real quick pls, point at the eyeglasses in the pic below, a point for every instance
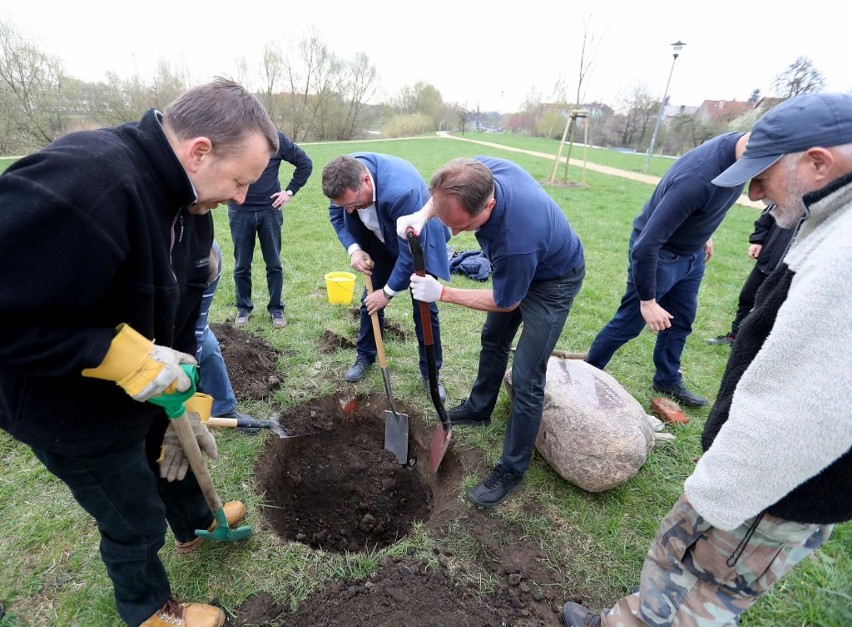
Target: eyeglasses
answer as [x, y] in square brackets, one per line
[352, 206]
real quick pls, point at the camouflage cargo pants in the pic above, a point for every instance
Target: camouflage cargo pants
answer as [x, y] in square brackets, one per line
[690, 576]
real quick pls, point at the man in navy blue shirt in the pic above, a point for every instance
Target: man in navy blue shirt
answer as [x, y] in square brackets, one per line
[538, 269]
[261, 215]
[669, 246]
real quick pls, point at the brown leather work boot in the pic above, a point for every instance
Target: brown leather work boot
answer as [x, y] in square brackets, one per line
[234, 513]
[184, 614]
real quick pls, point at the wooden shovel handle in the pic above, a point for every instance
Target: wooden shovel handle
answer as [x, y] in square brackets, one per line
[377, 331]
[193, 454]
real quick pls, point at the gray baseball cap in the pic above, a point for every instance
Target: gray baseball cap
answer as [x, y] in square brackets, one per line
[802, 122]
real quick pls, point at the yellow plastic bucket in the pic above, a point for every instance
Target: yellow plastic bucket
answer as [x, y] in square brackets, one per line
[340, 287]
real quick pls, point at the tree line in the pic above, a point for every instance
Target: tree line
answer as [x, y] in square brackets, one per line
[313, 94]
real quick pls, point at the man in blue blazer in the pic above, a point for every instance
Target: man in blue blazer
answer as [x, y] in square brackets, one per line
[368, 192]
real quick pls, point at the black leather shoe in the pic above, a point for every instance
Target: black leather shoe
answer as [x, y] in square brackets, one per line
[441, 391]
[358, 371]
[681, 394]
[460, 415]
[496, 487]
[576, 615]
[721, 339]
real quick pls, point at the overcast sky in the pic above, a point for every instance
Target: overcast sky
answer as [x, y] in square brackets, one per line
[490, 55]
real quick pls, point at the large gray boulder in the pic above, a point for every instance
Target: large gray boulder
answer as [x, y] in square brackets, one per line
[593, 432]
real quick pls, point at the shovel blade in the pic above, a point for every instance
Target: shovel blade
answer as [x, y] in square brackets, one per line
[396, 435]
[438, 447]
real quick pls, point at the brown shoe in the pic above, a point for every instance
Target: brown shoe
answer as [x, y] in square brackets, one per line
[176, 612]
[234, 513]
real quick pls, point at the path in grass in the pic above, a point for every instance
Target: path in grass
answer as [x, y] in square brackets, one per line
[603, 169]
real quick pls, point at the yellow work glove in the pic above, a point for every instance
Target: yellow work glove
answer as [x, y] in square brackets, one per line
[173, 461]
[143, 369]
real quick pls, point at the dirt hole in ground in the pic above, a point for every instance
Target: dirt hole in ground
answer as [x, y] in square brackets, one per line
[331, 342]
[335, 487]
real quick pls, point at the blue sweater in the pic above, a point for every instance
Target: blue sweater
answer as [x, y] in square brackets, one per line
[527, 238]
[684, 209]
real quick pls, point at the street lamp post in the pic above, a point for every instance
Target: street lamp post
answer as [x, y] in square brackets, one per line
[678, 46]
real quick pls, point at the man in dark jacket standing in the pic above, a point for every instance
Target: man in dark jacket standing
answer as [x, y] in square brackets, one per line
[106, 236]
[261, 215]
[669, 246]
[368, 192]
[767, 245]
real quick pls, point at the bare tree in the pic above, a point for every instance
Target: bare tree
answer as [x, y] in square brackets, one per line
[464, 115]
[31, 85]
[168, 83]
[800, 77]
[357, 89]
[635, 110]
[272, 76]
[588, 50]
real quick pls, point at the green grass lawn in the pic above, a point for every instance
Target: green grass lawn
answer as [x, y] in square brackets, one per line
[49, 547]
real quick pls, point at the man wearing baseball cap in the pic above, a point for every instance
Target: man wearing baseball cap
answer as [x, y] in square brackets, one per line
[776, 473]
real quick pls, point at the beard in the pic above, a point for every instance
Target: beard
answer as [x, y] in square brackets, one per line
[788, 211]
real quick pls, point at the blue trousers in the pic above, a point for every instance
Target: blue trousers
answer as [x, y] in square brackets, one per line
[678, 280]
[266, 226]
[366, 343]
[122, 490]
[213, 375]
[543, 312]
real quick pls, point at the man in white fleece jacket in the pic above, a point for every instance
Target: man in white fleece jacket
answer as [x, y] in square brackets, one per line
[776, 474]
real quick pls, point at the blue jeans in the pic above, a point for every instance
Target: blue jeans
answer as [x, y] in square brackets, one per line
[131, 504]
[213, 375]
[678, 280]
[266, 225]
[366, 343]
[543, 312]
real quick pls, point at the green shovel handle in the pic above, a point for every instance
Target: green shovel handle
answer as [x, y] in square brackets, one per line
[174, 403]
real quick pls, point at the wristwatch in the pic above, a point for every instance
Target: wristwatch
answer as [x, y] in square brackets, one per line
[385, 292]
[289, 193]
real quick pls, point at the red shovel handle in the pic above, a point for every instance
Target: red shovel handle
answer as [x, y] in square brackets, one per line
[426, 323]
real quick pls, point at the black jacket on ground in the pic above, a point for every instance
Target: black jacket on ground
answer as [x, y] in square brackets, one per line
[93, 233]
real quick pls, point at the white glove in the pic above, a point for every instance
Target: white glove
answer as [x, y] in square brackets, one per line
[173, 462]
[426, 288]
[414, 221]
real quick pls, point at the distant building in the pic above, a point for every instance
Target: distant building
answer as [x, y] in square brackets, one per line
[721, 112]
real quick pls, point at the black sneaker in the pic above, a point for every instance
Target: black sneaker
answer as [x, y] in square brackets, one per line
[496, 487]
[460, 415]
[682, 395]
[722, 339]
[576, 615]
[358, 371]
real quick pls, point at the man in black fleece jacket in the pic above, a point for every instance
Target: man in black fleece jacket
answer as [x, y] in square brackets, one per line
[106, 239]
